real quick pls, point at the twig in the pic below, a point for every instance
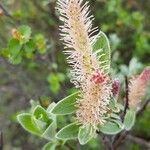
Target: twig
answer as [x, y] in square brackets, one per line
[107, 143]
[78, 145]
[36, 4]
[1, 140]
[69, 147]
[120, 139]
[126, 106]
[138, 140]
[6, 13]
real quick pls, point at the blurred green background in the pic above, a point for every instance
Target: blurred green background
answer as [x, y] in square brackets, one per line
[38, 70]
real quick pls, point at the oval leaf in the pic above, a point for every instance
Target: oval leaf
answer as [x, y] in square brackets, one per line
[28, 124]
[66, 106]
[85, 134]
[129, 119]
[110, 128]
[102, 50]
[50, 146]
[50, 132]
[68, 132]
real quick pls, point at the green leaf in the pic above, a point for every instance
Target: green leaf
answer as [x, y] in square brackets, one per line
[129, 119]
[14, 51]
[29, 48]
[41, 114]
[68, 132]
[66, 106]
[102, 49]
[14, 47]
[86, 133]
[50, 132]
[114, 106]
[28, 124]
[110, 128]
[118, 122]
[15, 59]
[50, 146]
[40, 42]
[51, 107]
[115, 116]
[33, 104]
[25, 32]
[54, 82]
[40, 124]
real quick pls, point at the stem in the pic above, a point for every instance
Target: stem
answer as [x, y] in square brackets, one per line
[138, 140]
[107, 143]
[69, 147]
[78, 145]
[8, 14]
[1, 140]
[120, 139]
[126, 97]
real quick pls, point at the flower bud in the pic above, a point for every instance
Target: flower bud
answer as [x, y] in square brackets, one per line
[115, 87]
[98, 77]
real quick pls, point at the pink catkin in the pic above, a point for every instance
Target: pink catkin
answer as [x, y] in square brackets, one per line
[77, 36]
[137, 88]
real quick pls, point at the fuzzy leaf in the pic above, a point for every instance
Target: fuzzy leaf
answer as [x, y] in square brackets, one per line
[66, 106]
[41, 114]
[50, 146]
[28, 124]
[68, 132]
[50, 132]
[50, 107]
[118, 122]
[129, 119]
[110, 128]
[40, 124]
[85, 134]
[115, 116]
[102, 49]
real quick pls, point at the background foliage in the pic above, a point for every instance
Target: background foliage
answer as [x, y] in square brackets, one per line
[35, 67]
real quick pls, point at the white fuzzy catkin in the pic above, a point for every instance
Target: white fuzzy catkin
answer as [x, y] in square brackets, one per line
[78, 37]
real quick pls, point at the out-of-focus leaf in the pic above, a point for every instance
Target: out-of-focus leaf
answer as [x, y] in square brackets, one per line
[29, 48]
[25, 32]
[54, 82]
[40, 42]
